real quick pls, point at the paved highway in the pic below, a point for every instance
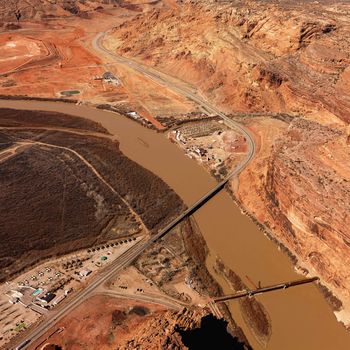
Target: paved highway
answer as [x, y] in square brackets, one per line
[182, 89]
[126, 259]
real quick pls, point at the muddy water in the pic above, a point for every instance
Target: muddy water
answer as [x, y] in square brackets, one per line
[301, 318]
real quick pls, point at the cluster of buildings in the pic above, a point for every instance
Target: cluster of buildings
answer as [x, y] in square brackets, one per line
[28, 296]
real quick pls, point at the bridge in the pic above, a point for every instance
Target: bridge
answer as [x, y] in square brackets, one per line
[250, 293]
[192, 209]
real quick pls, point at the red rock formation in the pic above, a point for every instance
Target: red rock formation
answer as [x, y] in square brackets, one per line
[173, 331]
[261, 56]
[308, 195]
[250, 55]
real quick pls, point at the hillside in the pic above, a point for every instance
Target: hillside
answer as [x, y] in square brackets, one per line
[282, 69]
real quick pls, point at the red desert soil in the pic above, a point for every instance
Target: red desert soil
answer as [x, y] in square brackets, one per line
[101, 322]
[242, 56]
[51, 54]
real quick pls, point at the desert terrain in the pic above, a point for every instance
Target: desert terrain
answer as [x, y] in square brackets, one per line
[279, 69]
[98, 199]
[282, 70]
[126, 324]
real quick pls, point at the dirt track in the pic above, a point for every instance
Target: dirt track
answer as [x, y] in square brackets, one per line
[69, 165]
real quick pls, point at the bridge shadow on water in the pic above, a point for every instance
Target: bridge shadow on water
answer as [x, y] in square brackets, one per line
[212, 334]
[207, 198]
[196, 206]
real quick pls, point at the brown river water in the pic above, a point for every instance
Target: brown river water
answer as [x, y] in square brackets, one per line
[300, 317]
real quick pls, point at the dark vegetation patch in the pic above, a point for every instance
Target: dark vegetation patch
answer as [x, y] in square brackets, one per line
[253, 311]
[30, 98]
[147, 194]
[52, 202]
[197, 251]
[118, 318]
[335, 303]
[14, 117]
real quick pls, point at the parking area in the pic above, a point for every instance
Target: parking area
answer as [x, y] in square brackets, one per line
[24, 299]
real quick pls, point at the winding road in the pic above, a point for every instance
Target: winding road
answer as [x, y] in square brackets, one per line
[174, 85]
[53, 316]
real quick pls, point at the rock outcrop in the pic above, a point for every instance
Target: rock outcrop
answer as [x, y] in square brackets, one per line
[18, 10]
[308, 197]
[186, 329]
[271, 57]
[250, 55]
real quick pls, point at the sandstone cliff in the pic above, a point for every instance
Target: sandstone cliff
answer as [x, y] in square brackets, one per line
[249, 55]
[308, 197]
[189, 328]
[279, 57]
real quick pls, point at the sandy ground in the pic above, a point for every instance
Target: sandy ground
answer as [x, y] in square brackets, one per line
[90, 326]
[53, 57]
[212, 144]
[131, 283]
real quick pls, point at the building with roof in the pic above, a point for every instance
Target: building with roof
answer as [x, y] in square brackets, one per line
[47, 298]
[85, 272]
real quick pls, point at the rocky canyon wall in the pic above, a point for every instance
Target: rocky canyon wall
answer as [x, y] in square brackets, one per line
[262, 56]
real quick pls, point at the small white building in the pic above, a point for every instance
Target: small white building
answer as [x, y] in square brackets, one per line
[85, 272]
[13, 300]
[59, 299]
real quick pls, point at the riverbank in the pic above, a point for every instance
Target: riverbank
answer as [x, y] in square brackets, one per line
[75, 165]
[333, 301]
[253, 311]
[185, 141]
[228, 234]
[195, 247]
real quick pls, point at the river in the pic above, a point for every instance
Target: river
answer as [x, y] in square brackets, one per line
[301, 318]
